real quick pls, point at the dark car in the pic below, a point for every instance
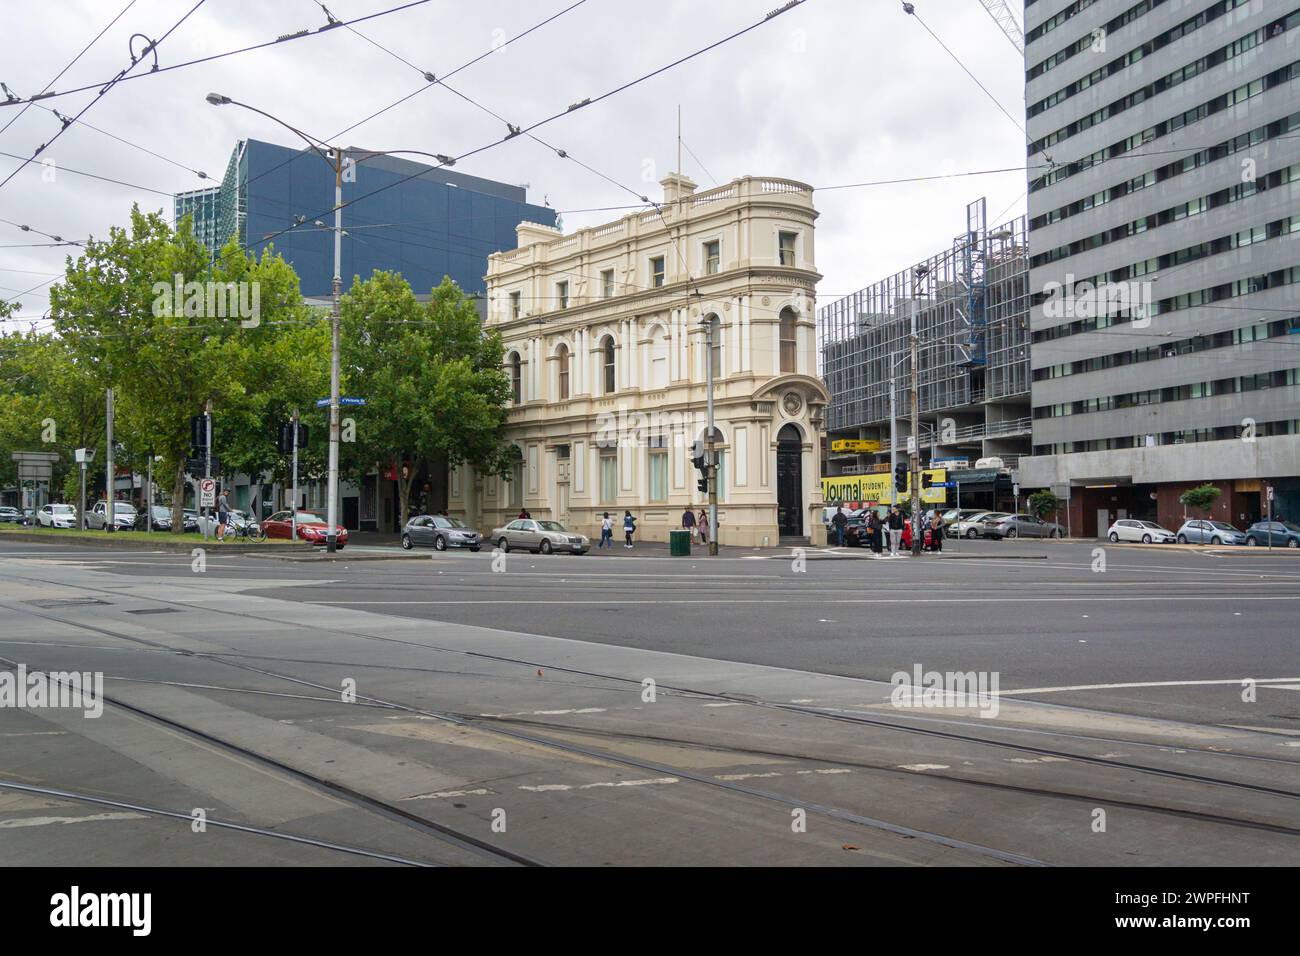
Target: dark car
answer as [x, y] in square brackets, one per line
[162, 519]
[856, 534]
[1279, 534]
[440, 532]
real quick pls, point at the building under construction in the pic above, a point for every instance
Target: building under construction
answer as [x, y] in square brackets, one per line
[971, 308]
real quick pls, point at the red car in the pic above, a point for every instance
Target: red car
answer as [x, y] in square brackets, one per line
[311, 528]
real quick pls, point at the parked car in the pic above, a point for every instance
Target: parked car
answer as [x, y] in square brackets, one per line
[1280, 534]
[123, 516]
[952, 515]
[855, 532]
[1020, 526]
[193, 521]
[1197, 531]
[972, 526]
[11, 515]
[439, 532]
[311, 528]
[57, 516]
[544, 536]
[1133, 529]
[162, 519]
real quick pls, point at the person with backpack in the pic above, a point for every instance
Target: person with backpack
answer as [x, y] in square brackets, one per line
[688, 522]
[629, 528]
[606, 531]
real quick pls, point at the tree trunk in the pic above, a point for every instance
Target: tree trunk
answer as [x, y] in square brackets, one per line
[178, 499]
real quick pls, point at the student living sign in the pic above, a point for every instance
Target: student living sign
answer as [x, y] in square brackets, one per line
[879, 487]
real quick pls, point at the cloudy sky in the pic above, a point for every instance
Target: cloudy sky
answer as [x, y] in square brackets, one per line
[832, 92]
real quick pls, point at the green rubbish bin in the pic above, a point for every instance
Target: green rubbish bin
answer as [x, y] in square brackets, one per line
[679, 544]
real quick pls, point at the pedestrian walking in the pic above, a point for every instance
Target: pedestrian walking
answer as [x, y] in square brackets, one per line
[895, 523]
[688, 522]
[936, 532]
[606, 531]
[703, 525]
[839, 521]
[873, 531]
[629, 528]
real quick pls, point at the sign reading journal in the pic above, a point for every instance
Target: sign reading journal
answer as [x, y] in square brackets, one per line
[879, 487]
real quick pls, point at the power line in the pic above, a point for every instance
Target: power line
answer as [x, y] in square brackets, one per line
[515, 131]
[286, 38]
[150, 47]
[47, 86]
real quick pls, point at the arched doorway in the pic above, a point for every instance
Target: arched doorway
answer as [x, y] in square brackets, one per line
[789, 482]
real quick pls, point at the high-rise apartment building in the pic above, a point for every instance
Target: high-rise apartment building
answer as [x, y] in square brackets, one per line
[1164, 230]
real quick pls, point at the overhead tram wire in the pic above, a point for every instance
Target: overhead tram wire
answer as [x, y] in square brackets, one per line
[287, 38]
[70, 65]
[150, 47]
[515, 131]
[436, 81]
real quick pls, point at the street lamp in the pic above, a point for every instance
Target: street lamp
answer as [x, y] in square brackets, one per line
[334, 157]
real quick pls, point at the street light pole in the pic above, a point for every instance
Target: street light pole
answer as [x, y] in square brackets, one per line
[332, 487]
[108, 467]
[914, 468]
[710, 455]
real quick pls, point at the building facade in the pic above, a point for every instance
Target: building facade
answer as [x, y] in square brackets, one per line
[605, 335]
[422, 221]
[971, 303]
[1164, 214]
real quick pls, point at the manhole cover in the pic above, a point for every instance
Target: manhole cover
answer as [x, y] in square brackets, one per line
[154, 610]
[65, 602]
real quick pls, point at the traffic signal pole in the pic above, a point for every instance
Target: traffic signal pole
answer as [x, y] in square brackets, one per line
[914, 460]
[710, 459]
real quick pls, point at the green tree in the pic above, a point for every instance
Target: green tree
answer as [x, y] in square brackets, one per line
[167, 356]
[1042, 503]
[1200, 498]
[432, 379]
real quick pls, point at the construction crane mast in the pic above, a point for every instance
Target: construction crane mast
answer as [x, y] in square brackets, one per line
[1005, 19]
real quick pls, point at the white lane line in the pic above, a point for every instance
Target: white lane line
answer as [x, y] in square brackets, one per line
[1003, 599]
[1154, 683]
[20, 822]
[549, 713]
[922, 766]
[443, 794]
[549, 787]
[38, 733]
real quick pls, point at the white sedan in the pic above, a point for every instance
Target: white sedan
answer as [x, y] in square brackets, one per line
[1147, 532]
[56, 516]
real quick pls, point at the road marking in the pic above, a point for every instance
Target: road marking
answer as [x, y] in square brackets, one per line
[1153, 598]
[549, 713]
[922, 766]
[442, 794]
[1155, 683]
[52, 821]
[549, 787]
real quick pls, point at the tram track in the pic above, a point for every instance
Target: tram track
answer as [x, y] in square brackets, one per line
[478, 722]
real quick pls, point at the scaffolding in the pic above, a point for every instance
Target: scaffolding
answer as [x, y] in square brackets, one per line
[973, 327]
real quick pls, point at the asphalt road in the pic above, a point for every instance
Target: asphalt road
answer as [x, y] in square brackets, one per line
[635, 708]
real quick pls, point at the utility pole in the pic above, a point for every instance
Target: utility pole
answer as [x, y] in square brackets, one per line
[148, 493]
[914, 469]
[893, 437]
[332, 487]
[207, 458]
[293, 531]
[710, 455]
[108, 468]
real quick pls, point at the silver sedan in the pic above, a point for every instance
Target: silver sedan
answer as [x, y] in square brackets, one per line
[528, 534]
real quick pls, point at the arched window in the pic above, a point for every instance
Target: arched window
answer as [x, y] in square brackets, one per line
[607, 362]
[516, 379]
[715, 350]
[789, 342]
[562, 356]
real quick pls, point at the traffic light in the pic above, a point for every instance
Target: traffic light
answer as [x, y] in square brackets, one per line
[703, 485]
[926, 479]
[285, 441]
[900, 477]
[697, 457]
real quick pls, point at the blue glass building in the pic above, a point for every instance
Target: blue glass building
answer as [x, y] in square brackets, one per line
[422, 221]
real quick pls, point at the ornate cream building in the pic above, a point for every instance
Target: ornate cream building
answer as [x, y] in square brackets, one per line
[605, 348]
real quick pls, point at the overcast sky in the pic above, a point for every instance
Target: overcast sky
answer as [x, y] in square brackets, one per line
[832, 92]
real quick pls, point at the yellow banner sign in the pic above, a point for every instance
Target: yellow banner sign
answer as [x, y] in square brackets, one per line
[880, 488]
[855, 444]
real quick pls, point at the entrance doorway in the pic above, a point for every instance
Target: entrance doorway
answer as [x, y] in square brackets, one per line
[789, 482]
